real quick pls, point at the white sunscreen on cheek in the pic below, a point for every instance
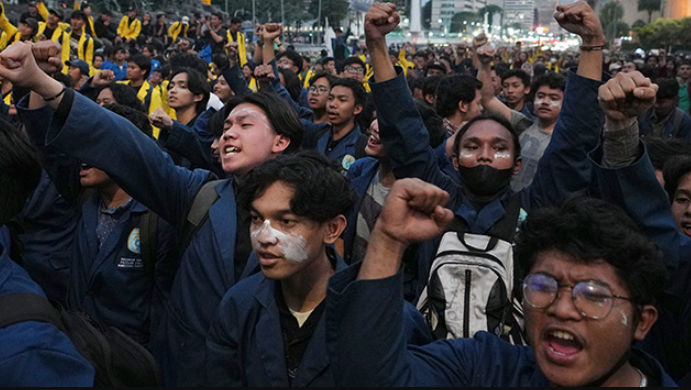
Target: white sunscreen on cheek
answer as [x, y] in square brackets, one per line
[624, 317]
[292, 246]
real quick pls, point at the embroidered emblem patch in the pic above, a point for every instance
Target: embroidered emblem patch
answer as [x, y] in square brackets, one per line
[133, 243]
[348, 160]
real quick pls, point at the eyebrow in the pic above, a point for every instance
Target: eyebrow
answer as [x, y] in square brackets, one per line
[478, 140]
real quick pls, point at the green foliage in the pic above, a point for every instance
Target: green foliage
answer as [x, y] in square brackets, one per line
[335, 10]
[665, 32]
[611, 16]
[649, 6]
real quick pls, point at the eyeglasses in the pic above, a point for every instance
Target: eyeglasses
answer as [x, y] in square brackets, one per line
[354, 69]
[318, 90]
[592, 298]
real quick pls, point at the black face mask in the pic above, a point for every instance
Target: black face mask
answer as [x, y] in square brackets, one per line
[483, 180]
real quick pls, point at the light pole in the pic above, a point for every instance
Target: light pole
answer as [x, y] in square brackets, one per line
[283, 16]
[319, 22]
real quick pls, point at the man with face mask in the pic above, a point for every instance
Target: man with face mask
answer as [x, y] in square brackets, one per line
[486, 150]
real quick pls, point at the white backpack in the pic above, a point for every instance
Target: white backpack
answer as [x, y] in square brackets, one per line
[471, 284]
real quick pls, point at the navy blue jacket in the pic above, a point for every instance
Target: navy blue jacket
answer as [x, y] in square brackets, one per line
[563, 169]
[366, 342]
[108, 283]
[636, 190]
[193, 143]
[245, 345]
[683, 132]
[49, 222]
[318, 135]
[35, 353]
[207, 267]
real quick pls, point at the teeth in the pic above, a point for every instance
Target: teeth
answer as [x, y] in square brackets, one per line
[231, 150]
[562, 335]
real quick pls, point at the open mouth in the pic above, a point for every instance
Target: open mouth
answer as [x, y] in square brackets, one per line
[374, 141]
[230, 151]
[562, 347]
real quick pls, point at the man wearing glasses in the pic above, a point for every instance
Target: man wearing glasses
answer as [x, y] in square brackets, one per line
[593, 280]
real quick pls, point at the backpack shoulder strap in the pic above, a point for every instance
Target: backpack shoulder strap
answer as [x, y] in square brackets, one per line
[148, 234]
[360, 147]
[506, 227]
[678, 116]
[20, 307]
[198, 213]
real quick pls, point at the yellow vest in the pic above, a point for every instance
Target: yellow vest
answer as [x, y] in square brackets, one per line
[85, 49]
[242, 48]
[153, 95]
[129, 30]
[176, 29]
[56, 34]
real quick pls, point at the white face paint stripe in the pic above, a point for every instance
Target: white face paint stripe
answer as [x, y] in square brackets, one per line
[502, 155]
[292, 246]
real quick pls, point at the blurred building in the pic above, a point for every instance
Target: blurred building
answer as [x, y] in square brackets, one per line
[444, 10]
[520, 12]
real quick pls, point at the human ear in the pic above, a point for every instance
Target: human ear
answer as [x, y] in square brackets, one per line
[517, 166]
[281, 144]
[648, 318]
[334, 228]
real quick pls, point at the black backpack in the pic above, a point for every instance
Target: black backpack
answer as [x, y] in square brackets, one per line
[118, 360]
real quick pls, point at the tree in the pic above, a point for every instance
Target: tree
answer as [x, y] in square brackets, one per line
[335, 10]
[665, 32]
[649, 6]
[490, 10]
[457, 25]
[427, 15]
[610, 16]
[638, 24]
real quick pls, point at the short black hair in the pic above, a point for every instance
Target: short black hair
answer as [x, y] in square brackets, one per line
[220, 60]
[660, 150]
[187, 60]
[79, 14]
[136, 117]
[589, 231]
[322, 75]
[197, 84]
[430, 85]
[283, 118]
[354, 60]
[143, 62]
[20, 170]
[292, 56]
[235, 20]
[217, 14]
[359, 92]
[321, 191]
[521, 74]
[292, 83]
[123, 95]
[491, 116]
[551, 80]
[454, 89]
[433, 122]
[675, 168]
[668, 88]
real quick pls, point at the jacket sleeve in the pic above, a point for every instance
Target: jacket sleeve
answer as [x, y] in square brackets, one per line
[38, 354]
[636, 190]
[304, 112]
[122, 27]
[236, 81]
[111, 143]
[405, 137]
[63, 170]
[564, 167]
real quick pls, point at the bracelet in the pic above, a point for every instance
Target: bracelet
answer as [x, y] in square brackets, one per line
[64, 89]
[592, 48]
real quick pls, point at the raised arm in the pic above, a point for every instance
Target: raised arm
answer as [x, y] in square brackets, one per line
[564, 167]
[483, 55]
[100, 138]
[402, 130]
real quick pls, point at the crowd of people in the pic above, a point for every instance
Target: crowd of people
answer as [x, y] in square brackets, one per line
[465, 215]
